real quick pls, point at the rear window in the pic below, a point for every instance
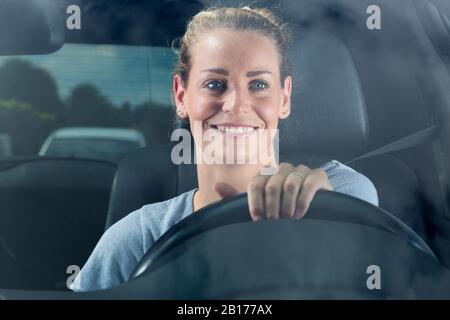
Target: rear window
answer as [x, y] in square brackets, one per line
[104, 86]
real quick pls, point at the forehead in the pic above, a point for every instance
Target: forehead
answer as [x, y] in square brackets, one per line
[232, 49]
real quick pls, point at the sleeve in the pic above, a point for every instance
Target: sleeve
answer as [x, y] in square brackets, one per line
[114, 258]
[346, 180]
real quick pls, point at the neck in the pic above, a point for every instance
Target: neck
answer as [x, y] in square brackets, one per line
[237, 176]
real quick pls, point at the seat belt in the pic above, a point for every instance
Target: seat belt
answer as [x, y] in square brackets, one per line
[413, 140]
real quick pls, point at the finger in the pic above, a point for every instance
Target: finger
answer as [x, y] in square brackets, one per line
[225, 190]
[255, 193]
[291, 189]
[315, 181]
[273, 191]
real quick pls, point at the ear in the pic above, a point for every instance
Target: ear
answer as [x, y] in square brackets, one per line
[179, 93]
[285, 109]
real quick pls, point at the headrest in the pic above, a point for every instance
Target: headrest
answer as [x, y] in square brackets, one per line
[328, 113]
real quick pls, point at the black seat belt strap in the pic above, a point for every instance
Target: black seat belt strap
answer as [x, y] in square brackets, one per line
[415, 139]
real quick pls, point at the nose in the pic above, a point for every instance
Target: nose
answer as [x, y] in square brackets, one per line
[236, 101]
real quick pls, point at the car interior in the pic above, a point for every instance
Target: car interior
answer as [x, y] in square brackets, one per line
[355, 91]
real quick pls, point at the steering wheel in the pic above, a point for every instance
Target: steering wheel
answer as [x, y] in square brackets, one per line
[326, 205]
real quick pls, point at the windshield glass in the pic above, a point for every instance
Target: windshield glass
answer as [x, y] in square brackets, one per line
[254, 114]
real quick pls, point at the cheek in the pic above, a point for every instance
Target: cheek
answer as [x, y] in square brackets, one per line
[268, 111]
[201, 108]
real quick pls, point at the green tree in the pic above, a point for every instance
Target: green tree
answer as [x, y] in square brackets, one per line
[21, 81]
[30, 107]
[86, 106]
[155, 121]
[27, 127]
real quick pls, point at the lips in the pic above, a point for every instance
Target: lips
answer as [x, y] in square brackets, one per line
[234, 128]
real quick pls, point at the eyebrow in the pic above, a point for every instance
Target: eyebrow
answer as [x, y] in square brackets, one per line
[257, 73]
[217, 70]
[226, 73]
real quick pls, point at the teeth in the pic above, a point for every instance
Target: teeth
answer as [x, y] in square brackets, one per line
[235, 129]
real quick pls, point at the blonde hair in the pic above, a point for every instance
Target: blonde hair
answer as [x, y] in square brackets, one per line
[259, 20]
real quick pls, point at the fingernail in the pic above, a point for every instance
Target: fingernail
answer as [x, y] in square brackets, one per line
[256, 214]
[298, 214]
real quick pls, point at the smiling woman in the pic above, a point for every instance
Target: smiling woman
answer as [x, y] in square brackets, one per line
[233, 79]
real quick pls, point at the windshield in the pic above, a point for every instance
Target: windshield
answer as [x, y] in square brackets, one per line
[148, 111]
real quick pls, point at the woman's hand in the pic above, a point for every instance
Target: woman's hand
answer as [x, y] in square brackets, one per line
[287, 194]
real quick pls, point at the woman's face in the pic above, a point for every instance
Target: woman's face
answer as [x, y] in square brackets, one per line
[234, 85]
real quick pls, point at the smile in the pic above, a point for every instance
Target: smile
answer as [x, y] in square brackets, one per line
[234, 129]
[226, 129]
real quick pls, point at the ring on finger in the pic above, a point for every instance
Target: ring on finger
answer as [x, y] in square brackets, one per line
[298, 174]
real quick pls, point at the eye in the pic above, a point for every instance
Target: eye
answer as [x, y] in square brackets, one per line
[216, 85]
[258, 85]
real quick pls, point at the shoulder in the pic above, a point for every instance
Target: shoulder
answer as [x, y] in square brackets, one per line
[114, 257]
[346, 180]
[157, 218]
[122, 246]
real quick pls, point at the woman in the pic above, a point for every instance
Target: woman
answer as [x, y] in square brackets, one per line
[232, 79]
